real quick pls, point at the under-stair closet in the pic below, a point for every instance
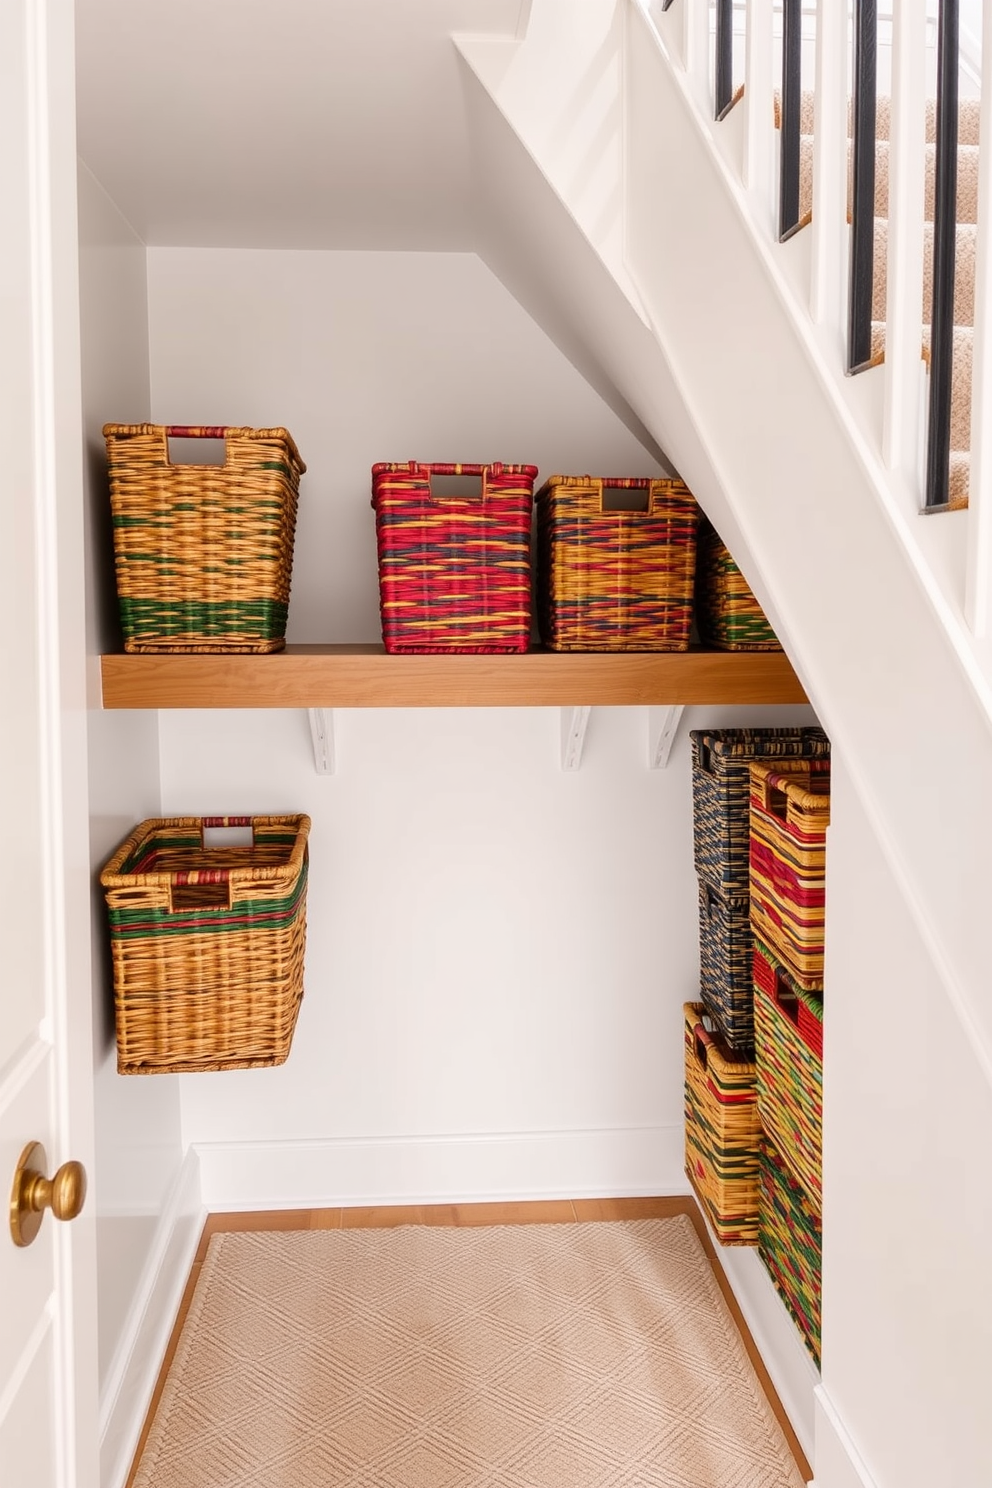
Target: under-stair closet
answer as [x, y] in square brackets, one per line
[517, 231]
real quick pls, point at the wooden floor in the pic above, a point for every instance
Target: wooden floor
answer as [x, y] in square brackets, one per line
[557, 1211]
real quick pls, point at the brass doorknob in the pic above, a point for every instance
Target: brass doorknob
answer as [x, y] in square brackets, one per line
[33, 1193]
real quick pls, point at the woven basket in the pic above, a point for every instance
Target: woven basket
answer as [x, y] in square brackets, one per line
[721, 1131]
[207, 943]
[790, 813]
[728, 617]
[615, 580]
[454, 571]
[789, 1073]
[725, 966]
[204, 553]
[721, 789]
[790, 1244]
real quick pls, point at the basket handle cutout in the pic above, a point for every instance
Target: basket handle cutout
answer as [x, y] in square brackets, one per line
[631, 496]
[227, 831]
[701, 1043]
[786, 999]
[212, 891]
[711, 900]
[186, 445]
[466, 486]
[777, 802]
[706, 759]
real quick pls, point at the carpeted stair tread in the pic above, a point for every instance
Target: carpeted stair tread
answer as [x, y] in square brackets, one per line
[964, 337]
[964, 271]
[968, 118]
[967, 182]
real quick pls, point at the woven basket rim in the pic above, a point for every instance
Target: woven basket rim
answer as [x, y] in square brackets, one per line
[206, 431]
[112, 878]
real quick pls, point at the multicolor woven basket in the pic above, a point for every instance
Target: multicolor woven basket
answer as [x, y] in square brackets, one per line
[721, 1131]
[790, 814]
[454, 571]
[207, 943]
[725, 966]
[728, 617]
[615, 580]
[721, 789]
[204, 553]
[789, 1071]
[790, 1244]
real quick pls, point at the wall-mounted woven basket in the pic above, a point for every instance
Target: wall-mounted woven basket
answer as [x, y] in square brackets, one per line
[790, 1243]
[728, 617]
[454, 570]
[207, 942]
[789, 1071]
[615, 580]
[725, 966]
[203, 553]
[721, 791]
[790, 814]
[721, 1131]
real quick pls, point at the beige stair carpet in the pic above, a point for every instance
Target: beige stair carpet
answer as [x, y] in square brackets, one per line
[964, 260]
[588, 1355]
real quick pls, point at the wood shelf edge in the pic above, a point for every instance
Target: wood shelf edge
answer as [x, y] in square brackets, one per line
[365, 677]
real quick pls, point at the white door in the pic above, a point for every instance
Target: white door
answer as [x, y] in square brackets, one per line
[48, 1385]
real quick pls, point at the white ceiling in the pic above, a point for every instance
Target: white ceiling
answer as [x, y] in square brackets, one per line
[274, 123]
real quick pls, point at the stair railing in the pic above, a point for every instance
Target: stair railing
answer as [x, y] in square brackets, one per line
[916, 407]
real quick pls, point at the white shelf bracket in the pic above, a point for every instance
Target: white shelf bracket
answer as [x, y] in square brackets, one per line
[663, 725]
[322, 735]
[574, 722]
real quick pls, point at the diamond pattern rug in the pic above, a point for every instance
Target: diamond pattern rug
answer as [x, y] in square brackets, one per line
[587, 1355]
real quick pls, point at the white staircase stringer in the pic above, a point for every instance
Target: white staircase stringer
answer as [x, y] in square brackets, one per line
[866, 625]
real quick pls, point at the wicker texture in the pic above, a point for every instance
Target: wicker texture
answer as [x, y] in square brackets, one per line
[721, 1131]
[789, 1074]
[615, 580]
[454, 572]
[207, 943]
[725, 966]
[790, 1244]
[203, 553]
[721, 789]
[728, 617]
[790, 813]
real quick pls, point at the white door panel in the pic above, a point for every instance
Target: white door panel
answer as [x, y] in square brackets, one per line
[47, 1333]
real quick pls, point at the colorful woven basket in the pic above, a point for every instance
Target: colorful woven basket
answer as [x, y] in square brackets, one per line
[728, 617]
[725, 966]
[454, 571]
[204, 553]
[790, 813]
[721, 789]
[790, 1244]
[721, 1131]
[207, 943]
[615, 580]
[789, 1071]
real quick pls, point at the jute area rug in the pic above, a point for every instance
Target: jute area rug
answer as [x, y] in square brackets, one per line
[588, 1355]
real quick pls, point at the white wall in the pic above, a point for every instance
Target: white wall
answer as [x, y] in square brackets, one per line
[137, 1121]
[907, 1317]
[498, 952]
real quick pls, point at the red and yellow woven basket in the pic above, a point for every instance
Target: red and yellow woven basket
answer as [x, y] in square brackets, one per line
[789, 1071]
[721, 1131]
[454, 571]
[615, 580]
[789, 816]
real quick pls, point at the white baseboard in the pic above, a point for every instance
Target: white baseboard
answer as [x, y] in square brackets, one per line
[442, 1169]
[134, 1370]
[777, 1339]
[838, 1461]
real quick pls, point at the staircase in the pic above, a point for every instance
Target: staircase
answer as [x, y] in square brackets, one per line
[641, 234]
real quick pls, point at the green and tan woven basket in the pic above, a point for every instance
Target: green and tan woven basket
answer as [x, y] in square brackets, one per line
[613, 579]
[789, 1067]
[728, 617]
[721, 1131]
[790, 1243]
[207, 942]
[203, 553]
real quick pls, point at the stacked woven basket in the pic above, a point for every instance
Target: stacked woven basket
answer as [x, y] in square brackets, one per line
[754, 1043]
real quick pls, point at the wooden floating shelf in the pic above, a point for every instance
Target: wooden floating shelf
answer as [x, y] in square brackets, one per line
[365, 677]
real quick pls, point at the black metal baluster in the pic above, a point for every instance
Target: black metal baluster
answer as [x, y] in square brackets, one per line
[789, 140]
[863, 184]
[944, 244]
[724, 69]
